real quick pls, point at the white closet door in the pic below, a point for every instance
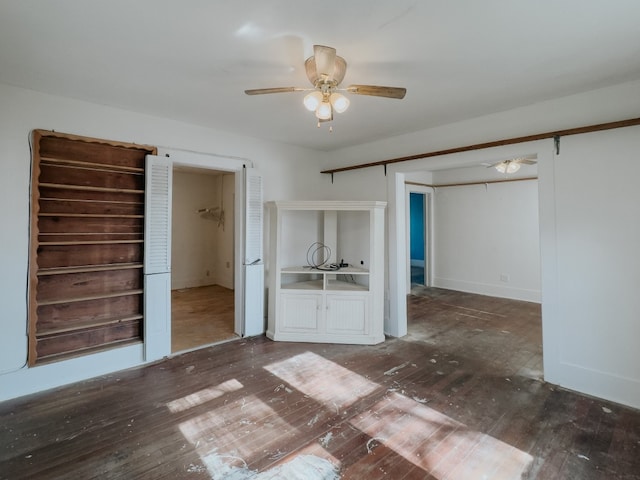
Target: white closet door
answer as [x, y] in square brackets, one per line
[157, 215]
[157, 258]
[253, 258]
[253, 217]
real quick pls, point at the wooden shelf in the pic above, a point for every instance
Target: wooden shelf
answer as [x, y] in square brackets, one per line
[89, 237]
[92, 242]
[92, 165]
[58, 331]
[43, 360]
[88, 268]
[84, 200]
[88, 215]
[63, 186]
[61, 301]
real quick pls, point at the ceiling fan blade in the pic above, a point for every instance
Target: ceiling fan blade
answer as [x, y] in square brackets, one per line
[377, 91]
[526, 161]
[262, 91]
[325, 59]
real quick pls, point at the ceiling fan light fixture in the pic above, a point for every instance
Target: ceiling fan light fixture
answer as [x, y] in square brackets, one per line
[312, 101]
[324, 111]
[325, 71]
[508, 167]
[339, 102]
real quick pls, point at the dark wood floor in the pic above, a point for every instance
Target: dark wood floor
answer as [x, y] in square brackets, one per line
[460, 397]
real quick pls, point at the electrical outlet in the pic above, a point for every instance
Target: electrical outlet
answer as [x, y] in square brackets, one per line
[504, 278]
[208, 273]
[228, 264]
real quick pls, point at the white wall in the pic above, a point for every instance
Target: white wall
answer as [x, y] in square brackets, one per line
[486, 239]
[590, 297]
[289, 173]
[193, 238]
[202, 249]
[224, 248]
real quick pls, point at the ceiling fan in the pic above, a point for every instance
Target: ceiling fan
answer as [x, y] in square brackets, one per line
[512, 165]
[325, 70]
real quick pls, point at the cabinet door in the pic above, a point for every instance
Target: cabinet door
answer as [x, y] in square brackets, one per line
[300, 313]
[347, 314]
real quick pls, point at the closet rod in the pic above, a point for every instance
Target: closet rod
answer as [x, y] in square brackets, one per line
[441, 185]
[497, 143]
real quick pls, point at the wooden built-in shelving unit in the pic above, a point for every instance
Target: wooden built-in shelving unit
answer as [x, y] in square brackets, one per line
[87, 245]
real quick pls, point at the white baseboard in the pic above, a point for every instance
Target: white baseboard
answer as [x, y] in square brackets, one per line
[179, 283]
[615, 388]
[52, 375]
[494, 290]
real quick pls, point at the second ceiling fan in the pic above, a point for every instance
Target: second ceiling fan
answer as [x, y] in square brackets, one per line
[512, 165]
[325, 70]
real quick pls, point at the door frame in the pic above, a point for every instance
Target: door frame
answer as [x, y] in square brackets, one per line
[428, 231]
[235, 165]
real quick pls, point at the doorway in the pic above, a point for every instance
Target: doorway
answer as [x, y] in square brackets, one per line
[248, 269]
[417, 236]
[202, 258]
[418, 248]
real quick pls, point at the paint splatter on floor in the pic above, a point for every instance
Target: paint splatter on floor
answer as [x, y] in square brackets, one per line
[302, 467]
[324, 441]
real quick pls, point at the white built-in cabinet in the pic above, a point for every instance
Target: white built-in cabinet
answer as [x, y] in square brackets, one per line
[325, 304]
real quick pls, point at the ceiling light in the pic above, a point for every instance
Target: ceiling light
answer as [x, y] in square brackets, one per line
[508, 166]
[326, 70]
[324, 111]
[312, 101]
[340, 102]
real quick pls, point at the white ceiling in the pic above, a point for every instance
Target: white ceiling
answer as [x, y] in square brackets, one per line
[191, 60]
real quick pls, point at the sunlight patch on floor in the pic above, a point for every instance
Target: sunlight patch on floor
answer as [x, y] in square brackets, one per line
[238, 427]
[425, 437]
[203, 396]
[230, 436]
[326, 382]
[437, 443]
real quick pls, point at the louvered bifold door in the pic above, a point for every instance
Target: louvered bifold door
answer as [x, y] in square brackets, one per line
[253, 258]
[157, 258]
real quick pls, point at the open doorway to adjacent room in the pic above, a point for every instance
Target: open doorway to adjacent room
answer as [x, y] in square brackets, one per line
[417, 238]
[202, 253]
[418, 235]
[481, 229]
